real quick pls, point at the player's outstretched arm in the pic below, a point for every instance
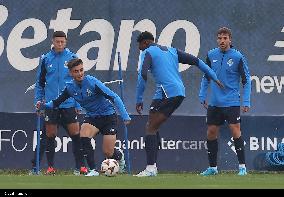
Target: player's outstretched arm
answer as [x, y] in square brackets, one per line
[60, 99]
[186, 58]
[102, 89]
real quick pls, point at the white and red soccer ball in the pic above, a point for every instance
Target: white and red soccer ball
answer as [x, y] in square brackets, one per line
[110, 167]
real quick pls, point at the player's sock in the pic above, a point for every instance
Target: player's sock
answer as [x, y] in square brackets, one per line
[242, 165]
[76, 148]
[159, 143]
[151, 144]
[50, 150]
[117, 155]
[88, 151]
[240, 149]
[212, 151]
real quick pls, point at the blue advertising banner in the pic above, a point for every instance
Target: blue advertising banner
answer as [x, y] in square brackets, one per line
[98, 29]
[183, 143]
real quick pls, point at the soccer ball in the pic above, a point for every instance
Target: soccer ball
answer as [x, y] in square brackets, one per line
[110, 167]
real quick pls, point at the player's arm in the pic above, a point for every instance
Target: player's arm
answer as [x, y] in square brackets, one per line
[205, 81]
[60, 99]
[40, 82]
[102, 89]
[186, 58]
[146, 62]
[246, 81]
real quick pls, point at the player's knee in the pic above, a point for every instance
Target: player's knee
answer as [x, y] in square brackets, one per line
[236, 134]
[150, 129]
[84, 133]
[211, 135]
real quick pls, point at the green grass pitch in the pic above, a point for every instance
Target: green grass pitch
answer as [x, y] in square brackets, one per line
[164, 180]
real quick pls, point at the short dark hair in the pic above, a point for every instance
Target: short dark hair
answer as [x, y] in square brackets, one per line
[59, 34]
[224, 30]
[74, 62]
[145, 36]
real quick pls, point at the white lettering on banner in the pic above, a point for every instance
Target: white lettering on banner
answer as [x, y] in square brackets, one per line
[277, 58]
[165, 144]
[35, 139]
[105, 44]
[264, 143]
[58, 144]
[124, 39]
[3, 18]
[17, 149]
[3, 139]
[16, 43]
[65, 141]
[61, 144]
[63, 22]
[10, 137]
[268, 84]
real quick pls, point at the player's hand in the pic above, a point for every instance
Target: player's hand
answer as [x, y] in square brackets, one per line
[139, 108]
[127, 122]
[219, 83]
[205, 104]
[245, 109]
[38, 107]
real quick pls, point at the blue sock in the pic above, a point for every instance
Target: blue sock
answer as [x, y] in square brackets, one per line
[50, 150]
[88, 151]
[240, 149]
[76, 149]
[212, 146]
[151, 144]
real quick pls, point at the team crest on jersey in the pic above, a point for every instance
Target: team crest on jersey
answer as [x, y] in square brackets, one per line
[230, 62]
[89, 92]
[65, 64]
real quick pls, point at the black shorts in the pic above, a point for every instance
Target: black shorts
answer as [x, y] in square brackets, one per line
[218, 115]
[166, 106]
[62, 116]
[106, 124]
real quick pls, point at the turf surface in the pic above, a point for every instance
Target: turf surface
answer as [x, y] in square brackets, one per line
[65, 180]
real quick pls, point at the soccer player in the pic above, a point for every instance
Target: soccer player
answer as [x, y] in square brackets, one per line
[51, 78]
[163, 62]
[98, 101]
[224, 105]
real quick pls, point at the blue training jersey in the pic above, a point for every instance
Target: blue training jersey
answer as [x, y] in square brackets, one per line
[52, 74]
[94, 97]
[163, 63]
[231, 69]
